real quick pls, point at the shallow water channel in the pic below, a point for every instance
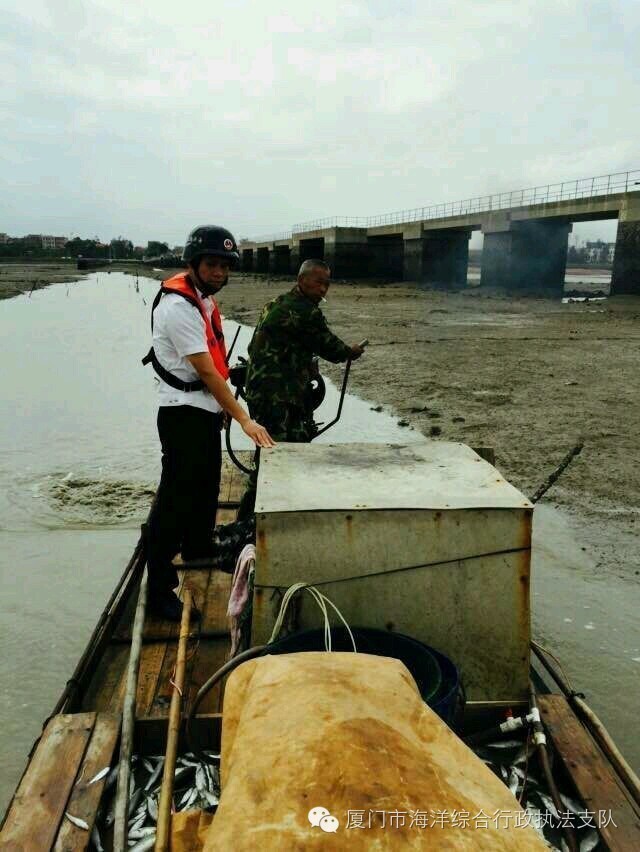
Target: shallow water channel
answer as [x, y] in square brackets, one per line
[79, 460]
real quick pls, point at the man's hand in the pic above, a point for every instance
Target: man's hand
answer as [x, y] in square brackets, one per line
[356, 351]
[257, 433]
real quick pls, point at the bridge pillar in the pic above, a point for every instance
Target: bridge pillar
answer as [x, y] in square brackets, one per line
[437, 257]
[413, 259]
[246, 260]
[294, 258]
[262, 259]
[528, 255]
[385, 257]
[445, 257]
[625, 277]
[345, 250]
[310, 247]
[279, 260]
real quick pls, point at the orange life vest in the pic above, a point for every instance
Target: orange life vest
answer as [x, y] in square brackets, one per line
[182, 285]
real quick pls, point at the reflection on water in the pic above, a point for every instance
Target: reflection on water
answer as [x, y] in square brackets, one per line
[79, 459]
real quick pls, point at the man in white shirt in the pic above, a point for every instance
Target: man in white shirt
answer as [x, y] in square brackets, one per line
[189, 356]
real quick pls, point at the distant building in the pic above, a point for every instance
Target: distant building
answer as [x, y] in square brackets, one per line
[599, 252]
[4, 239]
[49, 242]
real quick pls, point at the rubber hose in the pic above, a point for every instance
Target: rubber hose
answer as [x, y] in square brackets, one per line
[229, 666]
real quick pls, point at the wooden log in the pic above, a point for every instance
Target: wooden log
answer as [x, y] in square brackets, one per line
[593, 776]
[166, 791]
[38, 807]
[85, 796]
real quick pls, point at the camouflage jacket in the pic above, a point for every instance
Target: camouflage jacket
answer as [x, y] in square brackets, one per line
[290, 331]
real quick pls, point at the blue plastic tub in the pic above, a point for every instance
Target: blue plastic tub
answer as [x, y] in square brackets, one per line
[436, 676]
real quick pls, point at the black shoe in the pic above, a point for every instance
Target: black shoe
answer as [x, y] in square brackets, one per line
[166, 606]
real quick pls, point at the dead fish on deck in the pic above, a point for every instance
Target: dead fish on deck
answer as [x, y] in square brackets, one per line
[189, 798]
[572, 805]
[513, 783]
[99, 775]
[135, 798]
[144, 845]
[504, 744]
[140, 833]
[211, 798]
[79, 823]
[95, 839]
[590, 841]
[201, 779]
[152, 808]
[521, 756]
[112, 778]
[155, 774]
[136, 826]
[547, 801]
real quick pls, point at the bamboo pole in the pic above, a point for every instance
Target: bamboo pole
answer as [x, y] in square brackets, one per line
[593, 723]
[166, 791]
[566, 461]
[120, 828]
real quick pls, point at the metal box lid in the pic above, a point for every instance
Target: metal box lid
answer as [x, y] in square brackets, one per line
[423, 475]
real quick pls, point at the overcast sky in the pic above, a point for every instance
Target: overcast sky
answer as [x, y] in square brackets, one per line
[121, 119]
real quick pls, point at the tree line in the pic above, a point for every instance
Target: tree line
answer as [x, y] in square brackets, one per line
[119, 248]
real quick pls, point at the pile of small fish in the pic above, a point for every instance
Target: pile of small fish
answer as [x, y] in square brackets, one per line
[196, 785]
[508, 760]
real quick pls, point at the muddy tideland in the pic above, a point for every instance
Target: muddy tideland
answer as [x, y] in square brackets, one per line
[529, 376]
[24, 278]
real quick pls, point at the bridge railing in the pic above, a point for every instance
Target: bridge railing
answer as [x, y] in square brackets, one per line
[566, 191]
[271, 238]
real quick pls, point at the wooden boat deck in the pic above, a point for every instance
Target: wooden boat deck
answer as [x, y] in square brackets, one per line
[74, 747]
[209, 647]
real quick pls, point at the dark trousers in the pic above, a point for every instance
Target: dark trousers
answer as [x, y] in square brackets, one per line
[184, 514]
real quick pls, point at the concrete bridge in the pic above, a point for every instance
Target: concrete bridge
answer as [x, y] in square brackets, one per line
[525, 238]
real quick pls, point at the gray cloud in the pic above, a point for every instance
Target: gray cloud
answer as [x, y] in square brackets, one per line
[145, 121]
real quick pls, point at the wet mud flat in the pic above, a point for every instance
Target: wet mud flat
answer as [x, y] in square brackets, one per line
[22, 278]
[529, 376]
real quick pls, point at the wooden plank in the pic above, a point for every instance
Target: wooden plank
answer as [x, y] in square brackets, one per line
[592, 774]
[40, 801]
[85, 797]
[151, 734]
[151, 662]
[106, 679]
[211, 654]
[163, 688]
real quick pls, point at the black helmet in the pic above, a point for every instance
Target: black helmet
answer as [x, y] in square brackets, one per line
[210, 239]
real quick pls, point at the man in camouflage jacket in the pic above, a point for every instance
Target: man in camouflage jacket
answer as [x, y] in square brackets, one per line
[290, 331]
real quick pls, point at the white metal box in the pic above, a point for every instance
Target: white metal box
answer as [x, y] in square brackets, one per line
[426, 539]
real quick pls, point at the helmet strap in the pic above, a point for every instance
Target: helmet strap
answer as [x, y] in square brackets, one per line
[202, 286]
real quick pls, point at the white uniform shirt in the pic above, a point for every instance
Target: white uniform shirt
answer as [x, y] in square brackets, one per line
[178, 331]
